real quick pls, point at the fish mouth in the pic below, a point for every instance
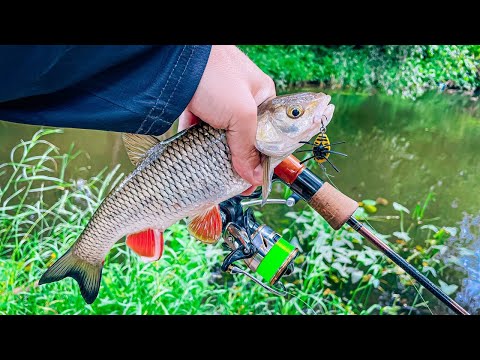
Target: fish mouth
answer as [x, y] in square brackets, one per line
[323, 113]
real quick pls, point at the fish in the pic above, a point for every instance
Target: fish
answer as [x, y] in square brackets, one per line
[183, 177]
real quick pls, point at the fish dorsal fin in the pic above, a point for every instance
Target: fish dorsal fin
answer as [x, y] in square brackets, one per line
[138, 145]
[207, 225]
[147, 243]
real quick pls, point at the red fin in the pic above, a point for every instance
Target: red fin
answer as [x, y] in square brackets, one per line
[148, 244]
[207, 226]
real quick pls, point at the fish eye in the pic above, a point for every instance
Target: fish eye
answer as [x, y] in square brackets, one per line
[295, 111]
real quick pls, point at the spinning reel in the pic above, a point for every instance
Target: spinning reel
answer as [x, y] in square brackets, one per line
[263, 250]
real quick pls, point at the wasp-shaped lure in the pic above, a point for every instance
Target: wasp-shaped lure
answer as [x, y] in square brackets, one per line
[322, 148]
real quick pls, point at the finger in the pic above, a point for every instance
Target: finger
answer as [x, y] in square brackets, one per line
[241, 136]
[266, 91]
[249, 191]
[187, 119]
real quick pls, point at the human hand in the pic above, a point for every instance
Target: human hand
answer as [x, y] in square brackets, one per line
[227, 97]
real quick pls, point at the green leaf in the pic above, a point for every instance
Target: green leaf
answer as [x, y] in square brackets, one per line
[431, 270]
[402, 235]
[429, 227]
[400, 207]
[371, 209]
[356, 276]
[451, 230]
[257, 213]
[447, 289]
[360, 214]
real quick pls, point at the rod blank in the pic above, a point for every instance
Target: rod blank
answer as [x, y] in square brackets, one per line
[409, 269]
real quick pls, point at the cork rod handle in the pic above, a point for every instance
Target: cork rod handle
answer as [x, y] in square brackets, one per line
[333, 205]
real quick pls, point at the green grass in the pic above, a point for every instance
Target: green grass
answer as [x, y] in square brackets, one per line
[42, 212]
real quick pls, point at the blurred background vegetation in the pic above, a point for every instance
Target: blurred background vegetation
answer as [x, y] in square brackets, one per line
[411, 122]
[408, 71]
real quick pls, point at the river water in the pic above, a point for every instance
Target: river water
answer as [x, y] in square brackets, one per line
[397, 149]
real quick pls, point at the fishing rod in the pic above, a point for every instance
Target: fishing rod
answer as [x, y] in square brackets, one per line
[337, 209]
[266, 253]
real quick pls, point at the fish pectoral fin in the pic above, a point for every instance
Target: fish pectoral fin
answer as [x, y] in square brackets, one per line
[206, 226]
[148, 244]
[267, 177]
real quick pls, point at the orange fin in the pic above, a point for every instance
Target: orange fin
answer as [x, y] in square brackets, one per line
[148, 244]
[206, 226]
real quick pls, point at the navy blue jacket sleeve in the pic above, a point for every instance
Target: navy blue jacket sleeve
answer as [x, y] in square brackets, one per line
[137, 89]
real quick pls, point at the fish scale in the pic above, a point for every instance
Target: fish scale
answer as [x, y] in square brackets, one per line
[136, 204]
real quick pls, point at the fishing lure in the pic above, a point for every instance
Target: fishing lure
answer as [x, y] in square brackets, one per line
[321, 150]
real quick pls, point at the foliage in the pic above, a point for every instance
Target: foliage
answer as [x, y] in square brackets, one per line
[42, 212]
[406, 70]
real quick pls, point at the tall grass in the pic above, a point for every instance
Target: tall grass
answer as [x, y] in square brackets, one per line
[43, 211]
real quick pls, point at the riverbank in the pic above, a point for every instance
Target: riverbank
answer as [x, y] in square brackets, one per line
[408, 71]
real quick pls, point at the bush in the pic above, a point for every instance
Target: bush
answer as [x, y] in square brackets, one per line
[408, 71]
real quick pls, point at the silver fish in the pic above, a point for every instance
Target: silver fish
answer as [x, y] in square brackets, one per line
[186, 176]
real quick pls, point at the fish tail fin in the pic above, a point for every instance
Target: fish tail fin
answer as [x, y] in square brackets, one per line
[87, 275]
